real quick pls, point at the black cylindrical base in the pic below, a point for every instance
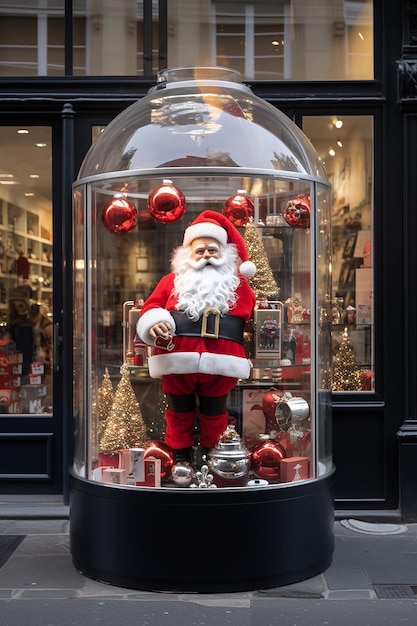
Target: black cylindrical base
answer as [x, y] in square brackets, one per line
[217, 540]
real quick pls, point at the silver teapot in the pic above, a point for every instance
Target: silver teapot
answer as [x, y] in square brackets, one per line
[229, 460]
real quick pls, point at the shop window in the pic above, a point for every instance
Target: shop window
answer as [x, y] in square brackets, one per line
[345, 145]
[268, 40]
[26, 328]
[284, 40]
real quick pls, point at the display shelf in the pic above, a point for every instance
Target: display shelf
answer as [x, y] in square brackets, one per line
[24, 232]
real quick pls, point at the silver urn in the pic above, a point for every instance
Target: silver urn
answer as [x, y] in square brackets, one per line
[229, 460]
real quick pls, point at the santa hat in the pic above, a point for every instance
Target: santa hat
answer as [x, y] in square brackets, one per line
[218, 227]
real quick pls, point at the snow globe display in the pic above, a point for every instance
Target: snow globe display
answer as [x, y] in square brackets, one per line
[202, 350]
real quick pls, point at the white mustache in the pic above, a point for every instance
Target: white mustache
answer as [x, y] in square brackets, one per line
[197, 265]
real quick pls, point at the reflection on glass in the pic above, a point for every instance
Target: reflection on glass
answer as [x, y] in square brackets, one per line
[345, 145]
[25, 270]
[268, 40]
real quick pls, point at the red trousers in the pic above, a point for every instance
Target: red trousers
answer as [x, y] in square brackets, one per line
[184, 393]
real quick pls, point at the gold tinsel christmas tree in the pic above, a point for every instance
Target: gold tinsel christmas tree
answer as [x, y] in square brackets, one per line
[125, 427]
[104, 402]
[263, 283]
[346, 373]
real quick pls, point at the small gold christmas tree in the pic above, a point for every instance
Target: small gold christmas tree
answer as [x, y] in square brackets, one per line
[263, 283]
[125, 427]
[346, 373]
[104, 402]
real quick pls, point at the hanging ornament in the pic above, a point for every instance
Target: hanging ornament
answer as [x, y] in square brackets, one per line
[266, 458]
[297, 212]
[239, 209]
[269, 404]
[162, 451]
[166, 203]
[119, 215]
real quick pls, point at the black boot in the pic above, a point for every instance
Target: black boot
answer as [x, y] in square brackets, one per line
[183, 455]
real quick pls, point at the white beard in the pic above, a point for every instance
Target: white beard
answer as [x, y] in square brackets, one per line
[212, 285]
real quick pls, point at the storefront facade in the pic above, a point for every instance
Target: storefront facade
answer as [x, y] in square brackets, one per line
[345, 73]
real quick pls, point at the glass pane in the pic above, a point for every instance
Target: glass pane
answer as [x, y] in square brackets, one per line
[345, 144]
[276, 39]
[120, 278]
[269, 40]
[278, 339]
[78, 321]
[26, 270]
[32, 38]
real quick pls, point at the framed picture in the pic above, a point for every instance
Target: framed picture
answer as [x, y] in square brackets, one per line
[268, 331]
[142, 264]
[349, 246]
[347, 273]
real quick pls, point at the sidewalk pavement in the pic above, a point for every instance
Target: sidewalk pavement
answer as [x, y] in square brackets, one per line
[371, 581]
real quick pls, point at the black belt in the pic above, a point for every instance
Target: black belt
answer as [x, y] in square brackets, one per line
[211, 325]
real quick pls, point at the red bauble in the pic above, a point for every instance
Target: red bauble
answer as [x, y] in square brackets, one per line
[161, 450]
[166, 203]
[269, 405]
[266, 459]
[239, 209]
[119, 215]
[297, 212]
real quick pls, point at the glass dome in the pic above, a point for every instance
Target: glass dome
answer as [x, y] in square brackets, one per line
[258, 431]
[202, 117]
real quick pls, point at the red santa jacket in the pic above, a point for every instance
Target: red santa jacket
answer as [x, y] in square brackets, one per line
[192, 355]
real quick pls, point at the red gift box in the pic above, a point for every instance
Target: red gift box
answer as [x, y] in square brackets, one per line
[108, 460]
[11, 369]
[9, 381]
[294, 468]
[37, 368]
[35, 379]
[7, 358]
[152, 473]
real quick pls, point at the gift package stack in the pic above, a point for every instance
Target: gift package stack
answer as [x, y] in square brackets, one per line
[33, 392]
[130, 467]
[10, 376]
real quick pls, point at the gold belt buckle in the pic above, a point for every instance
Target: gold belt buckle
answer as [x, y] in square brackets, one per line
[207, 311]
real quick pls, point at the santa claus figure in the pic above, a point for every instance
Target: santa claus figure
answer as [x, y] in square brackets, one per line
[195, 320]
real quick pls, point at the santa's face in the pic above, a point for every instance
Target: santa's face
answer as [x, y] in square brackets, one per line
[203, 250]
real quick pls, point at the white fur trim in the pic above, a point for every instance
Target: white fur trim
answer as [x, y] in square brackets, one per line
[225, 365]
[205, 229]
[193, 363]
[170, 363]
[247, 269]
[149, 319]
